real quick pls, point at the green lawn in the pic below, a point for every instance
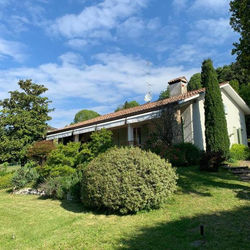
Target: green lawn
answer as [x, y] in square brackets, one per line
[216, 200]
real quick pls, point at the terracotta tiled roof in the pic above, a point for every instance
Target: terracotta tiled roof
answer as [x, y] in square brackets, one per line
[131, 111]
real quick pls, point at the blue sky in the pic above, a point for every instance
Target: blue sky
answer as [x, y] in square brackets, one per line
[95, 54]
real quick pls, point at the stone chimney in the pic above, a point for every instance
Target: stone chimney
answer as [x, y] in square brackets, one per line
[177, 86]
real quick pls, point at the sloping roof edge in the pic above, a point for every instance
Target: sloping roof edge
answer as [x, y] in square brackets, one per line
[151, 107]
[236, 97]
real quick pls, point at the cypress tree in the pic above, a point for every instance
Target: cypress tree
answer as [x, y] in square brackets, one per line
[217, 139]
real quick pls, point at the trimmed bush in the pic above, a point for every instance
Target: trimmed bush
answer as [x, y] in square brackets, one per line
[127, 180]
[240, 152]
[24, 176]
[6, 181]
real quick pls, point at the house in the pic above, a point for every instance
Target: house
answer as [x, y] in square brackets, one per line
[132, 126]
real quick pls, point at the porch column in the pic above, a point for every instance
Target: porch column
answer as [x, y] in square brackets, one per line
[76, 138]
[130, 135]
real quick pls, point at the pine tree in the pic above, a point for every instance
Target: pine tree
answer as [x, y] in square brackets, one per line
[217, 139]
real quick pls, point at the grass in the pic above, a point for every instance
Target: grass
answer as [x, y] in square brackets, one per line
[219, 201]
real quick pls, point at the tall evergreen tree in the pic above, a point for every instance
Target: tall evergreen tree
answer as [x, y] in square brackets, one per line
[194, 82]
[23, 119]
[217, 139]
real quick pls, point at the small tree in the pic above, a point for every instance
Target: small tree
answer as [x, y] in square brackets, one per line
[40, 150]
[215, 121]
[165, 129]
[194, 82]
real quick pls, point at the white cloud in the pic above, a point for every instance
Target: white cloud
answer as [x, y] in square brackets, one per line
[11, 49]
[103, 16]
[104, 83]
[211, 5]
[214, 31]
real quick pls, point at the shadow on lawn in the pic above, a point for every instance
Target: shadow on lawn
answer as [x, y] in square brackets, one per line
[223, 230]
[192, 180]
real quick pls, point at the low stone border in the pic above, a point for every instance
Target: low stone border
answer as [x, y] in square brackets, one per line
[30, 191]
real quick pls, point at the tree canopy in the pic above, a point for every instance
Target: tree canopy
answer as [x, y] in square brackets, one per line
[23, 120]
[240, 16]
[217, 140]
[164, 94]
[127, 105]
[85, 115]
[194, 82]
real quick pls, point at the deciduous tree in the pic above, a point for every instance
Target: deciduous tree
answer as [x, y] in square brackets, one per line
[23, 120]
[85, 115]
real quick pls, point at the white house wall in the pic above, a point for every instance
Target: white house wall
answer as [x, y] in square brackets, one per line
[187, 121]
[235, 119]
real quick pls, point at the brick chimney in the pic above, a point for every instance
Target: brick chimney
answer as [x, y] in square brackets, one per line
[178, 86]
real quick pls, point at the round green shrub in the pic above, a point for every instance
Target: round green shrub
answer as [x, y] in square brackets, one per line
[240, 152]
[127, 180]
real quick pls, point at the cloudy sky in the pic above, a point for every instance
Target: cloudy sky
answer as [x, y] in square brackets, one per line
[95, 54]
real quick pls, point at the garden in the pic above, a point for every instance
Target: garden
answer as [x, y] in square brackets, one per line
[97, 196]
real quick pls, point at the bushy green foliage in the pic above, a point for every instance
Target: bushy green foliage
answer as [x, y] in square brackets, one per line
[240, 152]
[24, 176]
[40, 150]
[183, 154]
[210, 161]
[65, 155]
[85, 115]
[3, 169]
[6, 180]
[164, 94]
[127, 105]
[179, 155]
[23, 119]
[235, 85]
[194, 82]
[217, 139]
[240, 16]
[61, 186]
[47, 171]
[127, 180]
[100, 142]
